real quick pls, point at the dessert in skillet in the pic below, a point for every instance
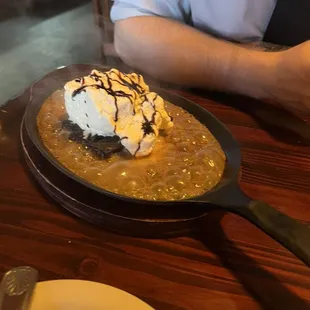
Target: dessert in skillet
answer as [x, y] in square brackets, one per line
[110, 129]
[115, 104]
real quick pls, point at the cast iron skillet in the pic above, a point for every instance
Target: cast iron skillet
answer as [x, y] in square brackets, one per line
[227, 195]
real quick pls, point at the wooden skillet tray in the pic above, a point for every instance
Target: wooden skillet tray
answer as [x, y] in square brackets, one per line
[228, 195]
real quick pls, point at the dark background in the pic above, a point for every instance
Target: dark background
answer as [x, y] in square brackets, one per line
[43, 8]
[37, 36]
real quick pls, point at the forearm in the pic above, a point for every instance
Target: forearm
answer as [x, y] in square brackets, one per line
[177, 53]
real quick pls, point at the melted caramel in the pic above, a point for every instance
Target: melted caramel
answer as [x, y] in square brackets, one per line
[185, 164]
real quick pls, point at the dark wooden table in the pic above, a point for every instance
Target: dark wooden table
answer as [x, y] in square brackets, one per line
[230, 265]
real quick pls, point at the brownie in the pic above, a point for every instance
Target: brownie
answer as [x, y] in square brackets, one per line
[103, 147]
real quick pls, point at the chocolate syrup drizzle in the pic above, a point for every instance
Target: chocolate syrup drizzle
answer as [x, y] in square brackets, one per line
[147, 125]
[133, 85]
[153, 105]
[80, 80]
[109, 90]
[147, 129]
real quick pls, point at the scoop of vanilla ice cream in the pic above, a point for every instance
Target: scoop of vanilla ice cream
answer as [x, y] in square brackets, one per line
[113, 103]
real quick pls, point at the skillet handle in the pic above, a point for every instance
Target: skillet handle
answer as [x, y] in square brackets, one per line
[292, 234]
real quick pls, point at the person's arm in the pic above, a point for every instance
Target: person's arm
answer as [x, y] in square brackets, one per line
[177, 53]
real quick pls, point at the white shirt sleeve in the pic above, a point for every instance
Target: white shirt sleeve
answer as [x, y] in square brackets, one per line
[175, 9]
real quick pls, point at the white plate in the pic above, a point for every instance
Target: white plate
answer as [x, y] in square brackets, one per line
[83, 295]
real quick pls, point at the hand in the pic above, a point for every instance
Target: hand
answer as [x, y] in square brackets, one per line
[290, 83]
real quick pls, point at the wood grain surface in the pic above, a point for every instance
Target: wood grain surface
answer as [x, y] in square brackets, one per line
[229, 264]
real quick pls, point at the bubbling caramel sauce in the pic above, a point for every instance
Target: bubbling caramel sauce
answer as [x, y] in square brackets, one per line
[184, 164]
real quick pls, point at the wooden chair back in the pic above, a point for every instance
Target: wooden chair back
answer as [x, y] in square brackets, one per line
[102, 10]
